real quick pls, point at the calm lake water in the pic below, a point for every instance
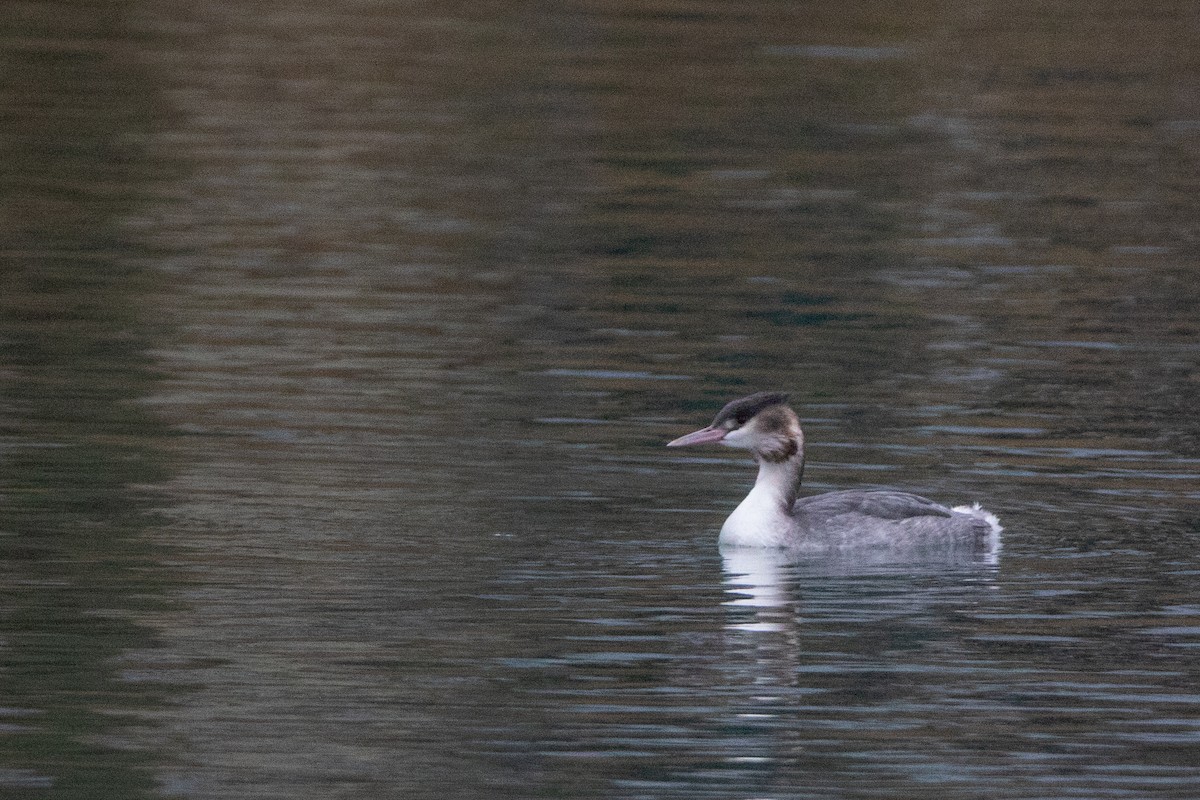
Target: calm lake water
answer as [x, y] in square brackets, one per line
[339, 344]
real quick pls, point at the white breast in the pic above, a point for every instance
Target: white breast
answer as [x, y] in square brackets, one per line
[759, 521]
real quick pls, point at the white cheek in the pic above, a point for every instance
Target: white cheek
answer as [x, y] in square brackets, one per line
[738, 438]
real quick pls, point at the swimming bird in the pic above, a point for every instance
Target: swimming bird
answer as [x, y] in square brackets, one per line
[773, 514]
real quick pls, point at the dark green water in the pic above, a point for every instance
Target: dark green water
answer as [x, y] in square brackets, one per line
[338, 347]
[80, 568]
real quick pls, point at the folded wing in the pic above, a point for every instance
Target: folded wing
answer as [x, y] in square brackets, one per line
[884, 505]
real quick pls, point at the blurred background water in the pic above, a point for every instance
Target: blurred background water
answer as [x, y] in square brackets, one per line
[339, 343]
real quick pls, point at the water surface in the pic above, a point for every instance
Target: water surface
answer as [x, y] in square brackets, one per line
[340, 346]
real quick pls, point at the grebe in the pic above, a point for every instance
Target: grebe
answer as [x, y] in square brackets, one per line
[772, 516]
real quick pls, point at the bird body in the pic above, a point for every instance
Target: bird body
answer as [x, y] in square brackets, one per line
[773, 515]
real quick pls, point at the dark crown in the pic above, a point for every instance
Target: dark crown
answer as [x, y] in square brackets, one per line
[743, 410]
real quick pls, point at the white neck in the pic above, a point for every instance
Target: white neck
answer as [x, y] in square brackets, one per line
[764, 518]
